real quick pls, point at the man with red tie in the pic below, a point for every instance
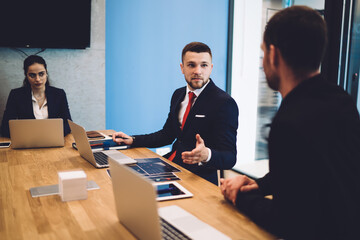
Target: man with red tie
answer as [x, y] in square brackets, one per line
[203, 120]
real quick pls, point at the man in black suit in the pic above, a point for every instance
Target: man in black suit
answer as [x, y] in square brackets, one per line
[206, 140]
[314, 141]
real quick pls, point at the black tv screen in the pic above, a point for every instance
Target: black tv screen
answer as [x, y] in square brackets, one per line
[45, 23]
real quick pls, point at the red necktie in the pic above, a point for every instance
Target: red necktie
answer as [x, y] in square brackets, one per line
[192, 96]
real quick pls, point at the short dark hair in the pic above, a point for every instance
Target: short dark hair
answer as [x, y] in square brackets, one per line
[300, 34]
[30, 60]
[197, 47]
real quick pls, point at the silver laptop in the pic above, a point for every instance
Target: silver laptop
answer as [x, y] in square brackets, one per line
[100, 158]
[36, 133]
[136, 206]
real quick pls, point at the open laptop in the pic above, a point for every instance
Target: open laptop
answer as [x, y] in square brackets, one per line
[136, 206]
[100, 158]
[36, 133]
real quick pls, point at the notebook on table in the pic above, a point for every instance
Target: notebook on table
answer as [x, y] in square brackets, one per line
[99, 159]
[36, 133]
[95, 135]
[103, 144]
[135, 200]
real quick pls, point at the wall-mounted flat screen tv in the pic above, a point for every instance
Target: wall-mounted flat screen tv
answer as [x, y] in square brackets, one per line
[45, 23]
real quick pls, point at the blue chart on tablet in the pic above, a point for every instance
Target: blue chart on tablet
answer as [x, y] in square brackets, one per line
[155, 169]
[150, 166]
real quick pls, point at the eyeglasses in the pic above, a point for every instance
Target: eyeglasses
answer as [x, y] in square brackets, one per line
[40, 74]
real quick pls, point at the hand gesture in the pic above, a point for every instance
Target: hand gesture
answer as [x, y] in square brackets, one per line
[198, 154]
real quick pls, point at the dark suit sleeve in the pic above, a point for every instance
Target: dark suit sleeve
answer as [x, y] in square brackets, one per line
[65, 112]
[287, 200]
[259, 209]
[58, 106]
[264, 211]
[9, 113]
[296, 195]
[163, 137]
[223, 140]
[166, 135]
[264, 184]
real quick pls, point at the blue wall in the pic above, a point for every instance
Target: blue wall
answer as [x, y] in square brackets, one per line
[144, 40]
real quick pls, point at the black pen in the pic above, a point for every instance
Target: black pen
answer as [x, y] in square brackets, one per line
[164, 179]
[120, 137]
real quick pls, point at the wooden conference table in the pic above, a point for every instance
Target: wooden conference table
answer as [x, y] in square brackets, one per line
[47, 217]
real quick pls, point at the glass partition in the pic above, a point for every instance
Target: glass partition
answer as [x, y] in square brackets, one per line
[257, 102]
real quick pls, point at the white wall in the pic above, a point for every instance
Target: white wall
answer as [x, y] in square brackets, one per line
[144, 40]
[81, 73]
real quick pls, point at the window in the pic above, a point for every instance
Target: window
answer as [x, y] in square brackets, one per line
[256, 101]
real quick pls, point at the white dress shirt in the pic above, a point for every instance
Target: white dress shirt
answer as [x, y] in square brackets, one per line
[184, 104]
[40, 112]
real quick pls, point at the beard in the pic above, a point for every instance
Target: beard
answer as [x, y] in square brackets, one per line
[273, 81]
[199, 83]
[272, 78]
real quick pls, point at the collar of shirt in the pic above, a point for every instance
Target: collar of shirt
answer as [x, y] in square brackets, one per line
[39, 112]
[184, 103]
[197, 91]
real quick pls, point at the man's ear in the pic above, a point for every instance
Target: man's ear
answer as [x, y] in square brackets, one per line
[273, 55]
[182, 68]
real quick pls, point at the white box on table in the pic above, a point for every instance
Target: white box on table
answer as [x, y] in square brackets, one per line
[72, 185]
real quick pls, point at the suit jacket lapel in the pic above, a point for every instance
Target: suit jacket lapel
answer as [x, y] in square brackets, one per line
[29, 111]
[179, 100]
[177, 107]
[50, 100]
[199, 104]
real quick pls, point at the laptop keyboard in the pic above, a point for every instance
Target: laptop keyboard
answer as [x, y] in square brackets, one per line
[101, 158]
[169, 232]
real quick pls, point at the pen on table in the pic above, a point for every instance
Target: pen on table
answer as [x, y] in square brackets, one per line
[103, 144]
[96, 144]
[121, 137]
[165, 179]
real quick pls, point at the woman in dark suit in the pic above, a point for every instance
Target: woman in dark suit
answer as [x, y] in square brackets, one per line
[36, 99]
